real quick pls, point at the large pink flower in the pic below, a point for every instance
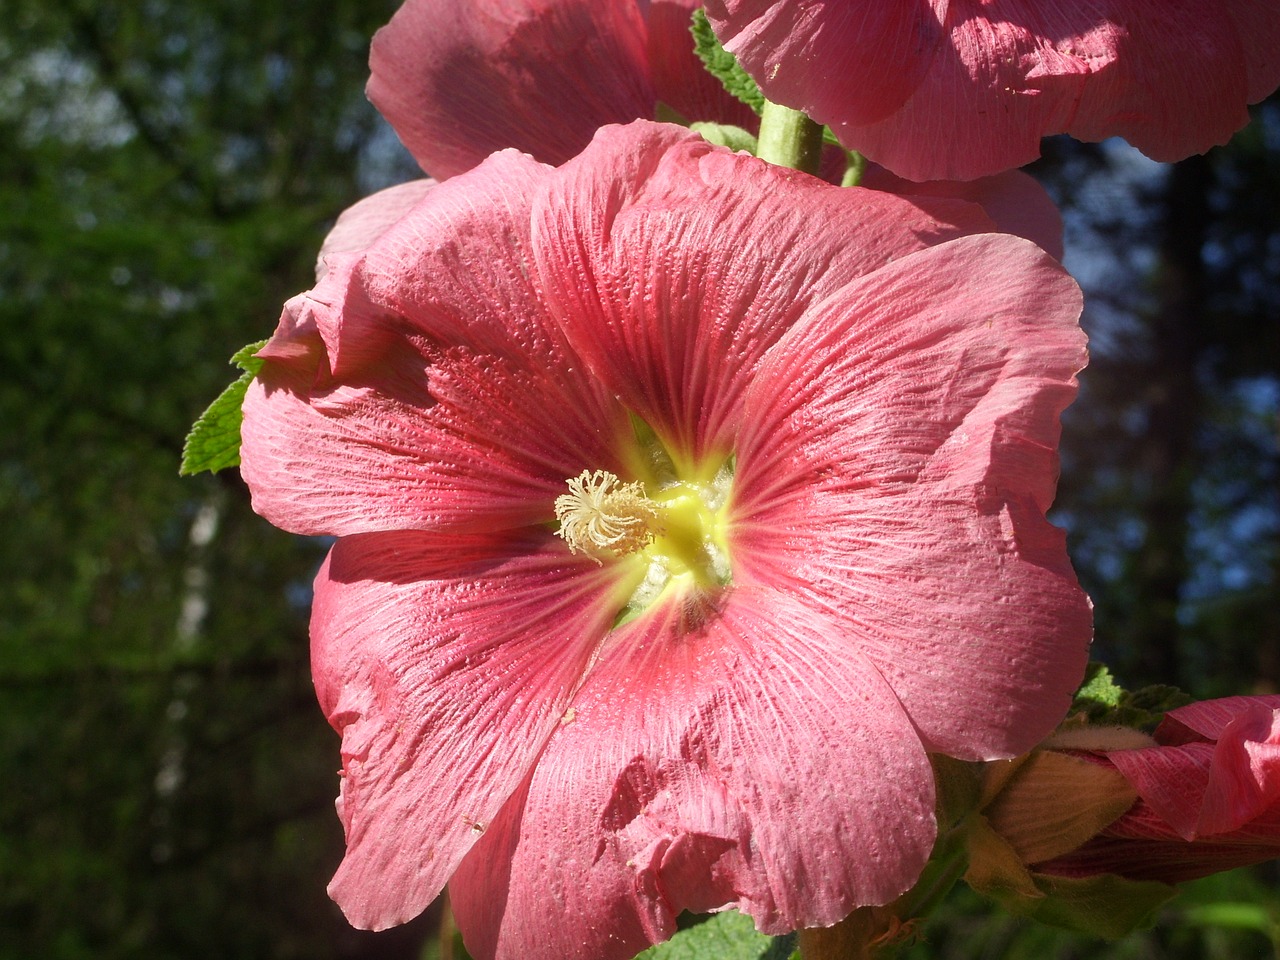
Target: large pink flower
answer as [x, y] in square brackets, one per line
[800, 441]
[1209, 797]
[959, 89]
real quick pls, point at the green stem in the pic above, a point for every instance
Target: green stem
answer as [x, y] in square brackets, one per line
[789, 139]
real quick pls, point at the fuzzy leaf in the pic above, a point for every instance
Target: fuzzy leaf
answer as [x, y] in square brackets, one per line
[1098, 688]
[722, 64]
[1102, 701]
[214, 441]
[724, 936]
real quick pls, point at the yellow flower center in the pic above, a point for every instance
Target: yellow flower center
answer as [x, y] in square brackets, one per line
[670, 534]
[601, 515]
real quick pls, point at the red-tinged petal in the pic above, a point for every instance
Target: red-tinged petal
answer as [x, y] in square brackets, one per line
[672, 265]
[1172, 781]
[430, 438]
[459, 80]
[751, 759]
[459, 267]
[445, 663]
[871, 55]
[1140, 846]
[975, 111]
[1258, 28]
[898, 456]
[1178, 81]
[680, 80]
[975, 84]
[1245, 779]
[1207, 719]
[364, 222]
[1013, 200]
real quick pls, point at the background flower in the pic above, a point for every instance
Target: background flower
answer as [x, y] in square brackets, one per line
[957, 89]
[459, 79]
[878, 379]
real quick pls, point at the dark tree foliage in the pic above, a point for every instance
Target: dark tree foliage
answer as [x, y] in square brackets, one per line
[168, 171]
[1171, 479]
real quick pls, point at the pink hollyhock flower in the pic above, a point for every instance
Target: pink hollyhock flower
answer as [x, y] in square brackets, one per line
[957, 89]
[1209, 797]
[683, 504]
[460, 79]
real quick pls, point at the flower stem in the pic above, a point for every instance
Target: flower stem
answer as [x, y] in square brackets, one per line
[789, 139]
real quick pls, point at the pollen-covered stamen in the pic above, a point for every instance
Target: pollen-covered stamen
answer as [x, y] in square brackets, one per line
[602, 515]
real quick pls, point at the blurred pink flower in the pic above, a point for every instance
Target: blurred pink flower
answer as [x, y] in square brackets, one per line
[958, 89]
[460, 79]
[800, 440]
[1209, 797]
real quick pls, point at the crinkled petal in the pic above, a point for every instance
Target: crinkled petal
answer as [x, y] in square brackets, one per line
[459, 268]
[1178, 83]
[445, 663]
[739, 753]
[975, 112]
[1141, 846]
[898, 456]
[459, 80]
[672, 265]
[422, 383]
[1245, 779]
[1172, 781]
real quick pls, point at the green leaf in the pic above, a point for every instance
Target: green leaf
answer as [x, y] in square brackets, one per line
[725, 135]
[722, 64]
[1098, 688]
[1103, 701]
[214, 441]
[725, 936]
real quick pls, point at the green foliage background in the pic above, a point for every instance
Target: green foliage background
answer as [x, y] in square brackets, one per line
[168, 170]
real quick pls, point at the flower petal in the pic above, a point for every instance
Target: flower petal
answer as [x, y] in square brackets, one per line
[672, 265]
[1245, 779]
[972, 85]
[864, 79]
[752, 759]
[445, 663]
[679, 77]
[899, 454]
[364, 222]
[459, 80]
[1013, 200]
[1172, 781]
[423, 384]
[1208, 719]
[431, 438]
